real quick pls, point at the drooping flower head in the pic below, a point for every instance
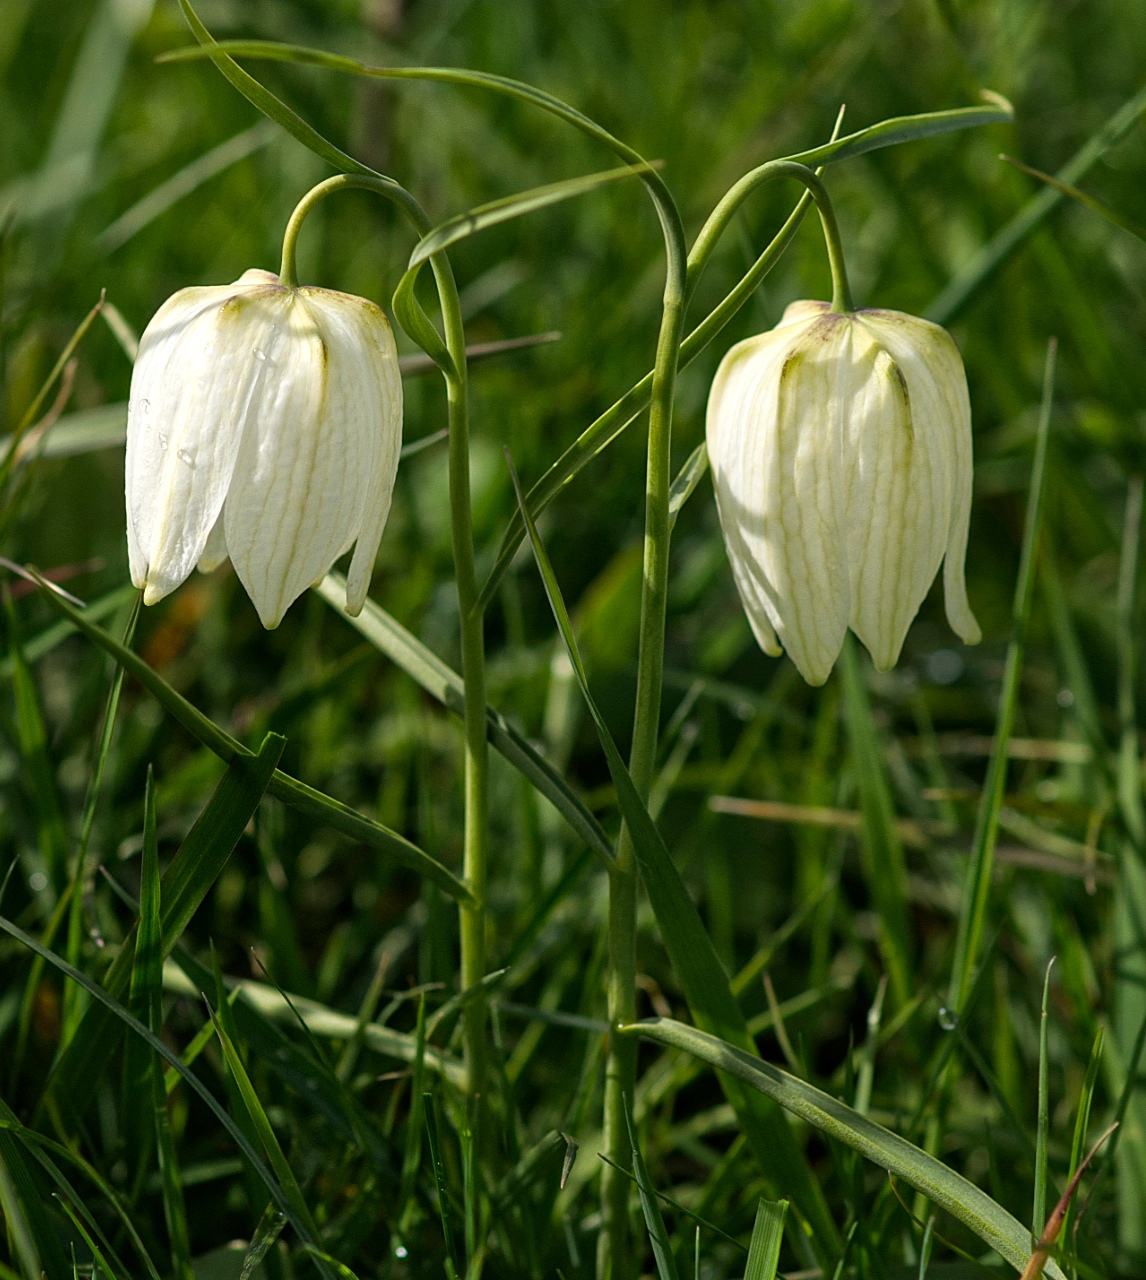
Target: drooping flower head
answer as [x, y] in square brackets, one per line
[840, 446]
[264, 424]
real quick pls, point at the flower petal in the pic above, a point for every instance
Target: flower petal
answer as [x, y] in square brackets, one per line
[189, 390]
[320, 451]
[774, 418]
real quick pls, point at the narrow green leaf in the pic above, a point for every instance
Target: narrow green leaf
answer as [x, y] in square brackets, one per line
[441, 682]
[1091, 202]
[962, 1199]
[967, 281]
[977, 885]
[444, 1207]
[266, 1233]
[117, 1011]
[1042, 1133]
[412, 1156]
[282, 786]
[72, 1006]
[654, 1220]
[52, 637]
[20, 1230]
[270, 1144]
[1082, 1118]
[101, 1262]
[687, 478]
[880, 845]
[767, 1237]
[506, 208]
[705, 983]
[32, 735]
[186, 882]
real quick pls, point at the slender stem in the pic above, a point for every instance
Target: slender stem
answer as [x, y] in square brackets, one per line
[614, 1259]
[722, 215]
[476, 840]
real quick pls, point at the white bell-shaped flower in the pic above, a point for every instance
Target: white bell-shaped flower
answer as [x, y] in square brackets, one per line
[264, 424]
[840, 445]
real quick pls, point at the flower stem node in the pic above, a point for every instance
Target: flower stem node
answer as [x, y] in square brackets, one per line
[264, 424]
[840, 445]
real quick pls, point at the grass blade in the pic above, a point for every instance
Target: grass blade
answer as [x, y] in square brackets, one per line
[1082, 1117]
[185, 884]
[453, 1267]
[292, 792]
[406, 651]
[977, 886]
[705, 983]
[880, 843]
[767, 1237]
[955, 296]
[962, 1199]
[1042, 1133]
[654, 1220]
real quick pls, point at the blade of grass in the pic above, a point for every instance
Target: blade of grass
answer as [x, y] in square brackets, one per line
[406, 651]
[1082, 1117]
[185, 883]
[654, 1220]
[977, 886]
[940, 1184]
[1042, 1134]
[445, 1210]
[72, 1010]
[292, 792]
[880, 843]
[705, 983]
[967, 281]
[767, 1237]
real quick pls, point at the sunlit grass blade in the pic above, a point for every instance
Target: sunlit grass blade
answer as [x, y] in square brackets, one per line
[185, 884]
[43, 1148]
[441, 682]
[654, 1220]
[445, 1208]
[1042, 1133]
[504, 209]
[977, 886]
[101, 1263]
[188, 179]
[80, 872]
[1082, 1117]
[705, 983]
[266, 1134]
[32, 1233]
[687, 478]
[32, 735]
[291, 791]
[940, 1184]
[865, 1074]
[767, 1237]
[880, 843]
[145, 993]
[117, 1011]
[266, 1233]
[965, 283]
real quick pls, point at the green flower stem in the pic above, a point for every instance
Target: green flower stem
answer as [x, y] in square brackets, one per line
[722, 215]
[476, 841]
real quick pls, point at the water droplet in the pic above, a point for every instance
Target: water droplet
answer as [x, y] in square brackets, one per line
[948, 1018]
[401, 1251]
[184, 456]
[162, 441]
[37, 882]
[260, 355]
[145, 406]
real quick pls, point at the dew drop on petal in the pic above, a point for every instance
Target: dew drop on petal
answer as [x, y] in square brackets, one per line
[260, 355]
[162, 441]
[184, 456]
[145, 406]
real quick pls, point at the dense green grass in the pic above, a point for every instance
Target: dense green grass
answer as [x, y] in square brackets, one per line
[94, 126]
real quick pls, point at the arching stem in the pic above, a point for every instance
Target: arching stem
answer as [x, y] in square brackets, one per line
[476, 841]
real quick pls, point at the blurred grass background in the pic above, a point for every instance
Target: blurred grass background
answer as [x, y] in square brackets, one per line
[141, 179]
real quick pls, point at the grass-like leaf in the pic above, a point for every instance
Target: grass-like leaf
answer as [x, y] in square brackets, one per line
[977, 886]
[654, 1219]
[702, 976]
[443, 683]
[767, 1237]
[943, 1186]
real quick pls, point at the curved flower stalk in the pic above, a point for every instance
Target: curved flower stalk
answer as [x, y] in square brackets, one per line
[264, 424]
[840, 445]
